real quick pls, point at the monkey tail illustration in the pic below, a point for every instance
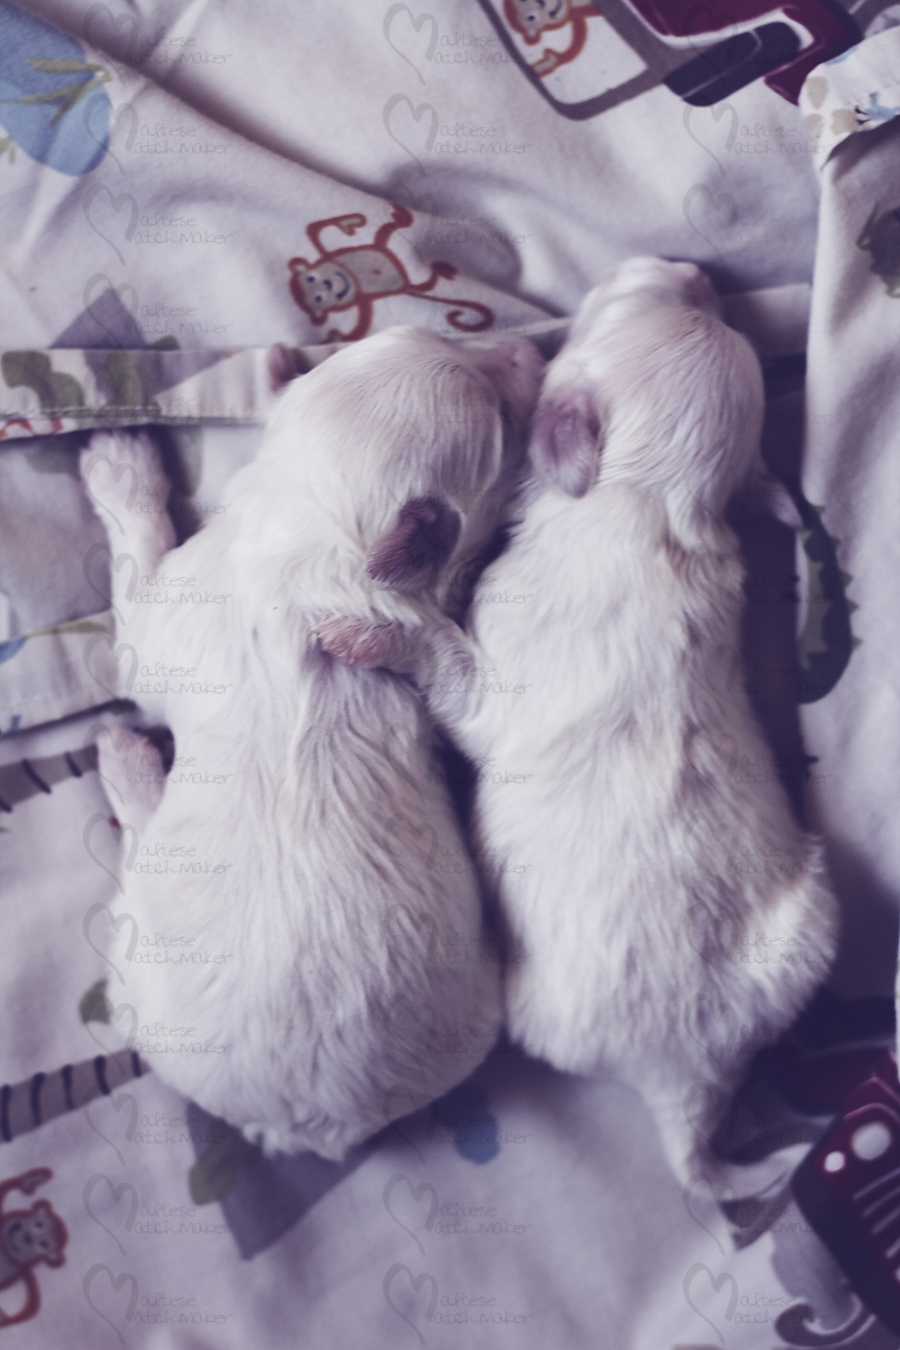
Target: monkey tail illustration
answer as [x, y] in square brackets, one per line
[485, 316]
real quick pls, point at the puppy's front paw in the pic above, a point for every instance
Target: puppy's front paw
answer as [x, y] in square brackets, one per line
[363, 642]
[123, 474]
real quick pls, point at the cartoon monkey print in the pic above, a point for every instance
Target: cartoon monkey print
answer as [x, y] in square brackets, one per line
[531, 18]
[28, 1236]
[356, 276]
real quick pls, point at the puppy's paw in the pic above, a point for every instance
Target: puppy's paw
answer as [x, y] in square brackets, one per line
[364, 642]
[123, 474]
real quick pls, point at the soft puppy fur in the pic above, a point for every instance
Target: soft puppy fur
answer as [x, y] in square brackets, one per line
[295, 972]
[665, 919]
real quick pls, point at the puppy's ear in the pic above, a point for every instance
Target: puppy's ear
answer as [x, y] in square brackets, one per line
[410, 556]
[565, 441]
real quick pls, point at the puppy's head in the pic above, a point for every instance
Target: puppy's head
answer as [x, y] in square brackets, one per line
[652, 388]
[412, 445]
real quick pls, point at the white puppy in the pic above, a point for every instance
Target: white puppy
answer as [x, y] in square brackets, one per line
[664, 920]
[295, 971]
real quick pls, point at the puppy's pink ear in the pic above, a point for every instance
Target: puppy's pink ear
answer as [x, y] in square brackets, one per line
[410, 556]
[565, 441]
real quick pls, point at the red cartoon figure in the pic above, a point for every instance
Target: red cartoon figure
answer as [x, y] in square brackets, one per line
[356, 276]
[28, 1236]
[701, 52]
[531, 18]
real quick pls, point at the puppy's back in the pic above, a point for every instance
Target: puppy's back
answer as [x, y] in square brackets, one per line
[313, 892]
[642, 864]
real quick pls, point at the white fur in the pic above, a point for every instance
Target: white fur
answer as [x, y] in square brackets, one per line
[315, 933]
[665, 918]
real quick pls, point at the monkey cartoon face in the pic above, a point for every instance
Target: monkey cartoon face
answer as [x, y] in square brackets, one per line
[33, 1236]
[533, 16]
[357, 275]
[324, 286]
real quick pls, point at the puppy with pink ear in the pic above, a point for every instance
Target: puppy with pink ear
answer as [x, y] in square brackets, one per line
[301, 919]
[665, 920]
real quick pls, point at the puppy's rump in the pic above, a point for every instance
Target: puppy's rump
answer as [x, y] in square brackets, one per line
[316, 970]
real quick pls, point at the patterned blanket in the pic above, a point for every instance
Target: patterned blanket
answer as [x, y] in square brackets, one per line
[186, 185]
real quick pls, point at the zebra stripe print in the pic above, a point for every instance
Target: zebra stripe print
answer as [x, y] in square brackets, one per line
[26, 1105]
[28, 777]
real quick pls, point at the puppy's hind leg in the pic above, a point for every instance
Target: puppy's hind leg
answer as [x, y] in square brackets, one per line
[123, 475]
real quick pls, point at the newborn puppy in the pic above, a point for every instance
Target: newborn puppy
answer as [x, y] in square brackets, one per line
[664, 920]
[293, 974]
